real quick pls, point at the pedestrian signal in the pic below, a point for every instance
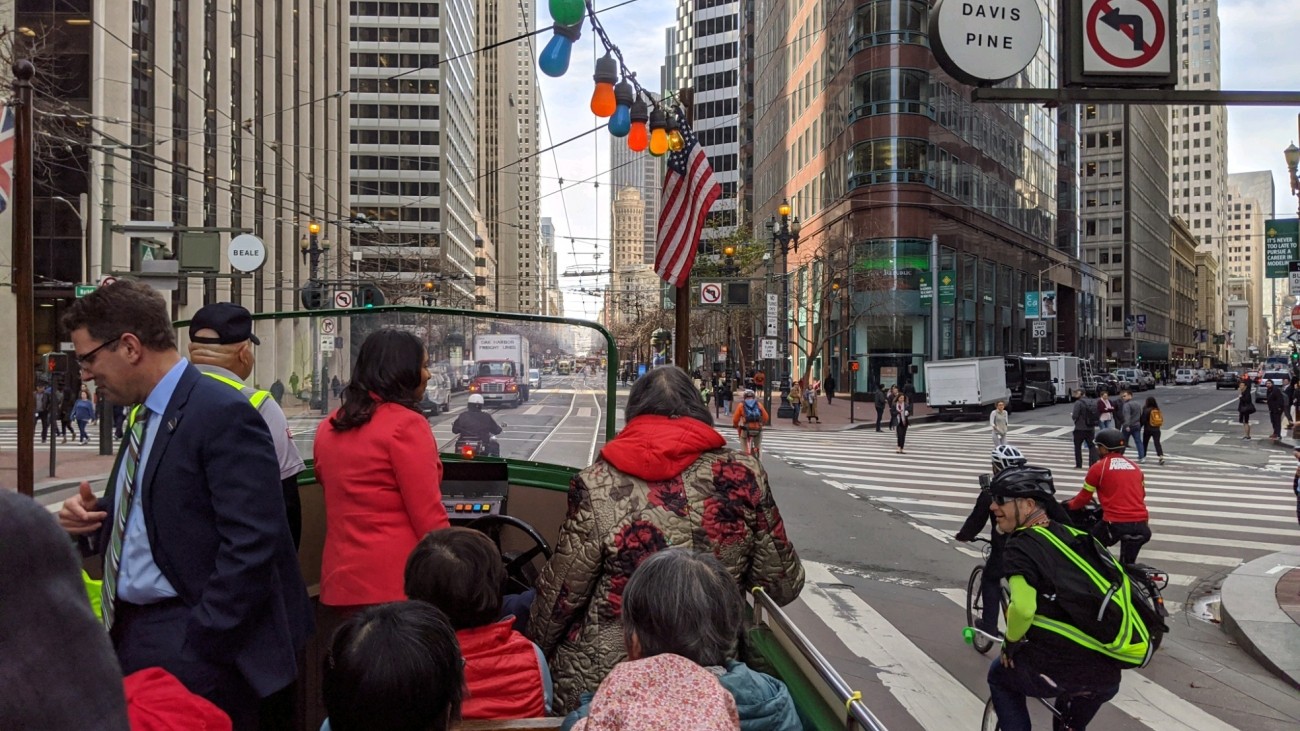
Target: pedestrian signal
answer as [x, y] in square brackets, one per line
[854, 366]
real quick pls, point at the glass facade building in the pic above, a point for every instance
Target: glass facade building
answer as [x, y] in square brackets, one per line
[877, 151]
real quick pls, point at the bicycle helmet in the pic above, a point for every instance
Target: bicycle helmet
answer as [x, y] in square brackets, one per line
[1005, 455]
[748, 393]
[1024, 482]
[1111, 439]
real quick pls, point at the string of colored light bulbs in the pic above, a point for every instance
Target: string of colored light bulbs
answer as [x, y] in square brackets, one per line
[618, 96]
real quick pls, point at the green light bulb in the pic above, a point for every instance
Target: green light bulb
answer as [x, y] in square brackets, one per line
[568, 12]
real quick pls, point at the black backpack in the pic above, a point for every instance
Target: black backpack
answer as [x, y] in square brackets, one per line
[1092, 415]
[1104, 601]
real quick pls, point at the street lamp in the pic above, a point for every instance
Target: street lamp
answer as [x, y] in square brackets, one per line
[785, 234]
[312, 247]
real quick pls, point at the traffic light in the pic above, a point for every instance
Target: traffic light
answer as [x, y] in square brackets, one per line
[312, 295]
[56, 363]
[854, 366]
[370, 295]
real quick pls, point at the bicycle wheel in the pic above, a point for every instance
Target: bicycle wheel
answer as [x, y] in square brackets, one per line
[990, 722]
[975, 609]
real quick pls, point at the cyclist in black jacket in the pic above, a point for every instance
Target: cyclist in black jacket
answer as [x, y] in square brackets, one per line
[1003, 456]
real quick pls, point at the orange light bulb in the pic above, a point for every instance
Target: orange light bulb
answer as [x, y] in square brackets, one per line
[603, 101]
[638, 137]
[658, 142]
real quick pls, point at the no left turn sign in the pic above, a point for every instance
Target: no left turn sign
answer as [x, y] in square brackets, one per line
[1127, 37]
[342, 299]
[710, 293]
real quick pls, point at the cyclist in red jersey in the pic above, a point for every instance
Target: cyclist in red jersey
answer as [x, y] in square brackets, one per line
[1119, 485]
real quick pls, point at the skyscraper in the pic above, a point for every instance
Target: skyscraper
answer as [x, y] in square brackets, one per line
[1126, 230]
[1250, 203]
[708, 50]
[412, 145]
[1198, 148]
[507, 145]
[644, 172]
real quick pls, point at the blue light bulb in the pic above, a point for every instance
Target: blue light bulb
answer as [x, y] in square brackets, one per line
[554, 61]
[621, 123]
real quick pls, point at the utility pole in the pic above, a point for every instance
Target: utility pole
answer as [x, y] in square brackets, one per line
[106, 425]
[23, 276]
[682, 302]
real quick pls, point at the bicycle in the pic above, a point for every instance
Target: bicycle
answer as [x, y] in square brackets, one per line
[748, 442]
[983, 641]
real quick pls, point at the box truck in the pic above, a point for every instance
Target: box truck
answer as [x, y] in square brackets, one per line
[966, 386]
[501, 366]
[1067, 375]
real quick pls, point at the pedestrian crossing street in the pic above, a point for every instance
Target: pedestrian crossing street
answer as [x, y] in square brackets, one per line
[1207, 516]
[9, 438]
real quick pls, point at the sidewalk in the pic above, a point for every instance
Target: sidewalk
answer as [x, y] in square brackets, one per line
[1261, 611]
[70, 468]
[835, 416]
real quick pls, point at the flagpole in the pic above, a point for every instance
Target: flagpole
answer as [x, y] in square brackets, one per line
[682, 302]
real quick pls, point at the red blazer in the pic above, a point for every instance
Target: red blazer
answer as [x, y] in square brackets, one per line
[382, 495]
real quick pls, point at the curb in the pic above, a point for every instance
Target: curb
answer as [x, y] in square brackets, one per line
[1252, 616]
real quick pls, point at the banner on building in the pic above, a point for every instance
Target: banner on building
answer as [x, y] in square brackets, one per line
[1281, 236]
[1040, 305]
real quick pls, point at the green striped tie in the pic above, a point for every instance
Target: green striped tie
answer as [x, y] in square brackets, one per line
[122, 509]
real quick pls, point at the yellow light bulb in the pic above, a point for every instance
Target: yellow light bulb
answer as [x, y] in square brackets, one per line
[675, 141]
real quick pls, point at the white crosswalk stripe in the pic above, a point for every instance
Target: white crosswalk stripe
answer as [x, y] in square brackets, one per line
[9, 439]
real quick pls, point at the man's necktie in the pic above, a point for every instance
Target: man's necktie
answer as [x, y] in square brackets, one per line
[122, 510]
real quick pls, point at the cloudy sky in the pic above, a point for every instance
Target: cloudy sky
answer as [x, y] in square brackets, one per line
[1255, 35]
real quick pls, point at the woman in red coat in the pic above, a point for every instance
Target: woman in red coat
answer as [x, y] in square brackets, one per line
[378, 464]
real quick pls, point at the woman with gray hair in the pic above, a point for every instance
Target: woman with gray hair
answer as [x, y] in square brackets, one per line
[666, 480]
[680, 602]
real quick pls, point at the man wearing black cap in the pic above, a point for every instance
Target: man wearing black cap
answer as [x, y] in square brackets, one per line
[200, 574]
[221, 347]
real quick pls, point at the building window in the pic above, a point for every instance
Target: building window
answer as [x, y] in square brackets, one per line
[888, 160]
[891, 91]
[889, 21]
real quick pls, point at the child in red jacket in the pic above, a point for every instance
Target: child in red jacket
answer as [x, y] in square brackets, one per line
[459, 570]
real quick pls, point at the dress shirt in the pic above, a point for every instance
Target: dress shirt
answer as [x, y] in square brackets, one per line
[140, 581]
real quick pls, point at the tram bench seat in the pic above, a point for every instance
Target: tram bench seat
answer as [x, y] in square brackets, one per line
[529, 724]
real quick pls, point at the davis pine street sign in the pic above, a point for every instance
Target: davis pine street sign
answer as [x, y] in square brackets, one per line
[983, 43]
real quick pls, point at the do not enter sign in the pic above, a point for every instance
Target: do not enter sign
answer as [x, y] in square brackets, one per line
[1295, 317]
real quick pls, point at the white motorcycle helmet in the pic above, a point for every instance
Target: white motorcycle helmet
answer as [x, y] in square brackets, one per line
[476, 399]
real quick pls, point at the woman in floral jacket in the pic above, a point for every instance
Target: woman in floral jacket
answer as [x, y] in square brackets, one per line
[665, 480]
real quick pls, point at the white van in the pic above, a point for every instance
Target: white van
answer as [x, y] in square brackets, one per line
[1184, 377]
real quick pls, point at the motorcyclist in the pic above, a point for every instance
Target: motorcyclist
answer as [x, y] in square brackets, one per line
[1003, 456]
[476, 425]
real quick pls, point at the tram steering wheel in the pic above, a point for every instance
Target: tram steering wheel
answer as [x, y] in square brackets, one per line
[520, 576]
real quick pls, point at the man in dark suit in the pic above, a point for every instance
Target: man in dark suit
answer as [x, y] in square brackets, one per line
[200, 573]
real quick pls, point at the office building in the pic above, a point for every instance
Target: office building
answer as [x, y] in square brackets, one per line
[252, 139]
[552, 295]
[708, 47]
[1184, 322]
[412, 145]
[1126, 227]
[1250, 204]
[644, 172]
[508, 102]
[1198, 134]
[876, 150]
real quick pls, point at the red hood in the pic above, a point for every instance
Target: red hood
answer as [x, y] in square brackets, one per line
[657, 448]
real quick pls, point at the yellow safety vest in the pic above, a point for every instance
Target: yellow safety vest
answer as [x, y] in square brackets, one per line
[256, 398]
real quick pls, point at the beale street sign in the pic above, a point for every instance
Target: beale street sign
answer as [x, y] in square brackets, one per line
[983, 43]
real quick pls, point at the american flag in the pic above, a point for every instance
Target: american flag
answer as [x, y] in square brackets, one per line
[6, 155]
[689, 193]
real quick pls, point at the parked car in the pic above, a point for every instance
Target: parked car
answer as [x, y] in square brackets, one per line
[1185, 377]
[1148, 378]
[1095, 384]
[1110, 383]
[1229, 379]
[437, 395]
[1280, 379]
[1132, 379]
